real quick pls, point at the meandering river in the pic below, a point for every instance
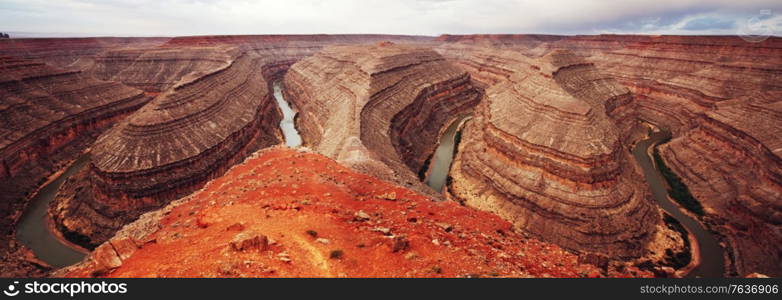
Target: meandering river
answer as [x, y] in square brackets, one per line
[292, 137]
[32, 229]
[711, 254]
[440, 163]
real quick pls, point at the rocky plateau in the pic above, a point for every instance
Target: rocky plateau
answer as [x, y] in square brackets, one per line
[185, 162]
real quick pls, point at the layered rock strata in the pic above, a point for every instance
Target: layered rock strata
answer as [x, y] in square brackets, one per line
[63, 52]
[543, 153]
[48, 116]
[214, 107]
[185, 137]
[158, 69]
[732, 163]
[378, 108]
[676, 78]
[683, 83]
[718, 95]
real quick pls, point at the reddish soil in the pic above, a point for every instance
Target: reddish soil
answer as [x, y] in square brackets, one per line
[324, 220]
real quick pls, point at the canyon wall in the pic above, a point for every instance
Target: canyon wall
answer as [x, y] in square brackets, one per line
[731, 162]
[676, 78]
[48, 116]
[378, 108]
[213, 107]
[65, 52]
[543, 152]
[183, 138]
[716, 94]
[157, 69]
[546, 149]
[719, 96]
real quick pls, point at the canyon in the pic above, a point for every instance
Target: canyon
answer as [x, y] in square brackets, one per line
[378, 108]
[186, 158]
[543, 152]
[49, 116]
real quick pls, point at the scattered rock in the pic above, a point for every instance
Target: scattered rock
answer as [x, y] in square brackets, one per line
[400, 244]
[106, 259]
[249, 241]
[283, 256]
[361, 216]
[383, 230]
[391, 196]
[445, 226]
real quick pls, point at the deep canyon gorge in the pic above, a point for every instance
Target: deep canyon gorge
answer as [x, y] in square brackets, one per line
[389, 155]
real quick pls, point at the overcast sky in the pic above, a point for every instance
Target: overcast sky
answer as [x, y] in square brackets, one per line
[420, 17]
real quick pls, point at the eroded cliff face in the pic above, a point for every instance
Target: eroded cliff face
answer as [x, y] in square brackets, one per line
[732, 163]
[285, 213]
[719, 96]
[378, 108]
[546, 149]
[543, 153]
[48, 116]
[183, 138]
[70, 52]
[716, 94]
[676, 78]
[213, 107]
[157, 69]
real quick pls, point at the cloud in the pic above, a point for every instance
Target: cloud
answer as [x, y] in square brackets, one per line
[427, 17]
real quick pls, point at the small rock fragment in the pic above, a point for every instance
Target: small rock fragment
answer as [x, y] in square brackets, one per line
[248, 241]
[361, 216]
[400, 244]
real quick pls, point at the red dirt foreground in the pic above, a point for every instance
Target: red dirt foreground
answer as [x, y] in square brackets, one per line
[285, 213]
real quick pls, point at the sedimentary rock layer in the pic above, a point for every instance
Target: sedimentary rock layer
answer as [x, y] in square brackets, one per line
[677, 78]
[158, 69]
[44, 103]
[718, 95]
[214, 107]
[62, 52]
[681, 82]
[543, 153]
[732, 163]
[48, 116]
[284, 213]
[487, 65]
[378, 108]
[183, 138]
